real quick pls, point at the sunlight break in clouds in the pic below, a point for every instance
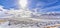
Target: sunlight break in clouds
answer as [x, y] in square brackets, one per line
[23, 3]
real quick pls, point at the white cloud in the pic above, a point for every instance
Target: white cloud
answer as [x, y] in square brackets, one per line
[3, 12]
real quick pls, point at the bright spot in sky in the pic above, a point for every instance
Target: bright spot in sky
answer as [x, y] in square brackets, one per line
[23, 3]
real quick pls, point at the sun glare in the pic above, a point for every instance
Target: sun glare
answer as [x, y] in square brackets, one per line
[23, 3]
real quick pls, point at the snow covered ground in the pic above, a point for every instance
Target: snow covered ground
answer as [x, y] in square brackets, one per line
[30, 23]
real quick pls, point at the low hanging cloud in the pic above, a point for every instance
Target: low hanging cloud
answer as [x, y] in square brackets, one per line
[4, 12]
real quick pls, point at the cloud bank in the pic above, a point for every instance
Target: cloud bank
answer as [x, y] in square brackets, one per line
[4, 12]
